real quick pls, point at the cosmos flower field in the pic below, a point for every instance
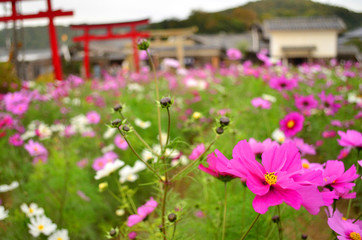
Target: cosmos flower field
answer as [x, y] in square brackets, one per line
[247, 151]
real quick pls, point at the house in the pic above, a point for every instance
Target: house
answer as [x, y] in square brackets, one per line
[303, 38]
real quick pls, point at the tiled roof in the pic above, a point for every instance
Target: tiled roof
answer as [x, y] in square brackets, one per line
[305, 23]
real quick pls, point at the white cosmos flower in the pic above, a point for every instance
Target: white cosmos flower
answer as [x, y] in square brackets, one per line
[142, 124]
[41, 224]
[109, 133]
[184, 160]
[3, 213]
[164, 138]
[135, 87]
[59, 235]
[129, 173]
[108, 169]
[28, 134]
[57, 127]
[7, 188]
[278, 135]
[269, 98]
[147, 155]
[108, 148]
[44, 131]
[354, 98]
[32, 209]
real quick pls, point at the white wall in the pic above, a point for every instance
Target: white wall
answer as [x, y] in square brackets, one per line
[325, 42]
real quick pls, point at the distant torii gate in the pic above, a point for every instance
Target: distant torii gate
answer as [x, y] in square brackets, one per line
[50, 14]
[133, 34]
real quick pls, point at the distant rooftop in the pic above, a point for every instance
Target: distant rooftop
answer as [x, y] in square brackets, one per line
[305, 23]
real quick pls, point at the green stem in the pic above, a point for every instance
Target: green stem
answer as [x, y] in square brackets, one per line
[359, 215]
[174, 230]
[355, 182]
[115, 196]
[164, 209]
[196, 161]
[251, 226]
[140, 138]
[280, 229]
[139, 157]
[157, 96]
[224, 219]
[168, 125]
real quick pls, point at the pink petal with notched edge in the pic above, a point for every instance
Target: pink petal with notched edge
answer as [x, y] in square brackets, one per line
[275, 197]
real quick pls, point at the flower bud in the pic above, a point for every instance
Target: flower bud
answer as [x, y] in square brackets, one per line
[304, 236]
[125, 128]
[275, 218]
[143, 44]
[116, 123]
[112, 232]
[166, 102]
[102, 186]
[219, 130]
[172, 217]
[224, 121]
[118, 108]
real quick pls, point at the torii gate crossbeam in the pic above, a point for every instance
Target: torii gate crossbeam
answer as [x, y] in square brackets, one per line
[50, 14]
[87, 37]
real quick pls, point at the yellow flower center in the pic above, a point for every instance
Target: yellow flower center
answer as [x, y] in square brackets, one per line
[290, 124]
[281, 139]
[271, 178]
[59, 238]
[355, 236]
[305, 165]
[344, 219]
[41, 227]
[31, 210]
[196, 115]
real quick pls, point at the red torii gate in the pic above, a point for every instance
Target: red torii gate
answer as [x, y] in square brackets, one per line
[50, 14]
[86, 37]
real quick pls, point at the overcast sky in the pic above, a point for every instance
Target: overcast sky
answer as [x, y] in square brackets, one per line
[99, 11]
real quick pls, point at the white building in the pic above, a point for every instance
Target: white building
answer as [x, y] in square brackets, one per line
[303, 38]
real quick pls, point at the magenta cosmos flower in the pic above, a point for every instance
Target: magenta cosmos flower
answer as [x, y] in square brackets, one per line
[142, 212]
[306, 103]
[93, 117]
[345, 228]
[120, 142]
[282, 83]
[291, 124]
[261, 103]
[234, 54]
[16, 140]
[328, 103]
[270, 181]
[260, 147]
[351, 138]
[341, 181]
[217, 166]
[197, 152]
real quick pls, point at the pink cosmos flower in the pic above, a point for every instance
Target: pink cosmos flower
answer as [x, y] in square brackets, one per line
[217, 166]
[93, 117]
[234, 54]
[341, 181]
[142, 212]
[329, 134]
[282, 83]
[16, 140]
[328, 103]
[98, 163]
[82, 163]
[17, 102]
[306, 103]
[35, 149]
[272, 180]
[304, 148]
[260, 147]
[291, 124]
[120, 142]
[197, 152]
[343, 153]
[200, 214]
[132, 235]
[311, 166]
[83, 196]
[261, 103]
[345, 228]
[351, 138]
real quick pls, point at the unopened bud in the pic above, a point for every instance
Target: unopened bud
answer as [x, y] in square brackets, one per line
[125, 128]
[304, 236]
[275, 218]
[117, 108]
[224, 121]
[219, 130]
[166, 102]
[143, 44]
[172, 217]
[116, 123]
